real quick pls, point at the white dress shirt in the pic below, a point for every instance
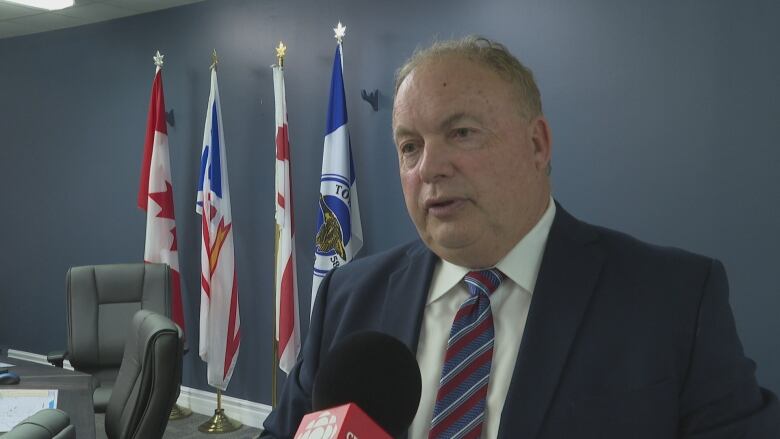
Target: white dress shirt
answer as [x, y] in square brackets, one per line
[509, 305]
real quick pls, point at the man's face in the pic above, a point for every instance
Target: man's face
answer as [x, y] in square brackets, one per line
[473, 167]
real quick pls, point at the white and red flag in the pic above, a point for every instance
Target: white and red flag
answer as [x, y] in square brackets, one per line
[155, 195]
[219, 320]
[287, 323]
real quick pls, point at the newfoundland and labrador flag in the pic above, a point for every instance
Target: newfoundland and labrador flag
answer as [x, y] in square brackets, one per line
[155, 196]
[219, 320]
[339, 233]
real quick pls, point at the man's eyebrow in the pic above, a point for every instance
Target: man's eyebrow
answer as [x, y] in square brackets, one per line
[446, 123]
[455, 118]
[402, 131]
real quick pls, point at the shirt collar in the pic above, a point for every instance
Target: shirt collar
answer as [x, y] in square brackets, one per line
[521, 264]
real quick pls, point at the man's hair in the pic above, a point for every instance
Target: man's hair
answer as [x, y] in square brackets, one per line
[490, 53]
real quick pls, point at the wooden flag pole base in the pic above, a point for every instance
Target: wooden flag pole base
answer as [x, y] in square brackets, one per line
[219, 423]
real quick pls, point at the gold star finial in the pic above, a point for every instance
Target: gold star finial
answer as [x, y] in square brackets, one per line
[214, 60]
[280, 53]
[158, 59]
[340, 30]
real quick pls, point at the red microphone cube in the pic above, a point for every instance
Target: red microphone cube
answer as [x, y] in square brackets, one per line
[346, 421]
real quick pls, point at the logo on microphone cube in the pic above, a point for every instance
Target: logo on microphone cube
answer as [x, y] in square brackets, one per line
[323, 426]
[346, 421]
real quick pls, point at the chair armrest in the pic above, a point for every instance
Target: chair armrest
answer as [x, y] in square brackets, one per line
[56, 358]
[49, 423]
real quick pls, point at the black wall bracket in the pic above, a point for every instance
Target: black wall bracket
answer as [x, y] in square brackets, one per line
[372, 98]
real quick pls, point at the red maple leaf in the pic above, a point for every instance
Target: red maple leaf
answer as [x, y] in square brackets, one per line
[165, 201]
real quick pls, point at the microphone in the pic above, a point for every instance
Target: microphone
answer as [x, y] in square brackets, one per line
[367, 387]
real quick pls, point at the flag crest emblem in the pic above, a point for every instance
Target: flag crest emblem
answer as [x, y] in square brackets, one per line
[332, 237]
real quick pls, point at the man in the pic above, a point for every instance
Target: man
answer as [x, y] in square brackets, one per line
[576, 331]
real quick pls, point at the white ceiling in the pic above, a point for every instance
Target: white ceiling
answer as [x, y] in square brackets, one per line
[16, 19]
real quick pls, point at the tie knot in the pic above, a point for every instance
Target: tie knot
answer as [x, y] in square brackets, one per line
[485, 281]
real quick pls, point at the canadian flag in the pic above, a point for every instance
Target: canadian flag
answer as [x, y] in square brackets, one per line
[155, 196]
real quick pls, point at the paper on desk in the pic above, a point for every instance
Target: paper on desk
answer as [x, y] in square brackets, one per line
[18, 404]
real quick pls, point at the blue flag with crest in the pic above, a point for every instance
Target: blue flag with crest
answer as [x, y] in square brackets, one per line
[339, 234]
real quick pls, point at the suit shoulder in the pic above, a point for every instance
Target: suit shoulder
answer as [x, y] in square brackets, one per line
[353, 296]
[621, 247]
[383, 260]
[647, 261]
[621, 240]
[374, 269]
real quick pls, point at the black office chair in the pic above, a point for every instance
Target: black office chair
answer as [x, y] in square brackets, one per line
[148, 382]
[44, 424]
[101, 301]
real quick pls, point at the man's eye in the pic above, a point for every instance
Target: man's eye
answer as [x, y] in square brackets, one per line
[408, 148]
[462, 132]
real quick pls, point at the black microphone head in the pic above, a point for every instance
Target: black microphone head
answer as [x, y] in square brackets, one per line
[375, 371]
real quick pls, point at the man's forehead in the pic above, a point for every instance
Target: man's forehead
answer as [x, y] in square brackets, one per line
[457, 78]
[441, 67]
[447, 66]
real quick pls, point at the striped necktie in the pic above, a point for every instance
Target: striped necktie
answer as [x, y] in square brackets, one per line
[460, 402]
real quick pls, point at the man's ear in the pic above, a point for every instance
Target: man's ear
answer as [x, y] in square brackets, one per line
[541, 136]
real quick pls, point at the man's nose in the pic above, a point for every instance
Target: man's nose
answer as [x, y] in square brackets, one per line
[436, 162]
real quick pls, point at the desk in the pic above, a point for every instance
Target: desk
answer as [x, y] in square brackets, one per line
[75, 391]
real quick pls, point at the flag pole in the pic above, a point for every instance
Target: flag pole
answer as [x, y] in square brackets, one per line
[155, 250]
[280, 53]
[219, 423]
[274, 341]
[177, 412]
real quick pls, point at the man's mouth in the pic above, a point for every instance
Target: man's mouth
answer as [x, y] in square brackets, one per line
[443, 207]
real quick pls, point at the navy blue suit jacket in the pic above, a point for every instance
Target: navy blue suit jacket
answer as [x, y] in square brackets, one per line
[623, 340]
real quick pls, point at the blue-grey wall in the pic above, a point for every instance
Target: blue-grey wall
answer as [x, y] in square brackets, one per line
[664, 117]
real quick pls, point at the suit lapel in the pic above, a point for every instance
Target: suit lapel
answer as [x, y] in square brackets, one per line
[407, 292]
[570, 268]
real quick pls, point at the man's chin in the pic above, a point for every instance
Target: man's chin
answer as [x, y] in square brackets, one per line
[463, 253]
